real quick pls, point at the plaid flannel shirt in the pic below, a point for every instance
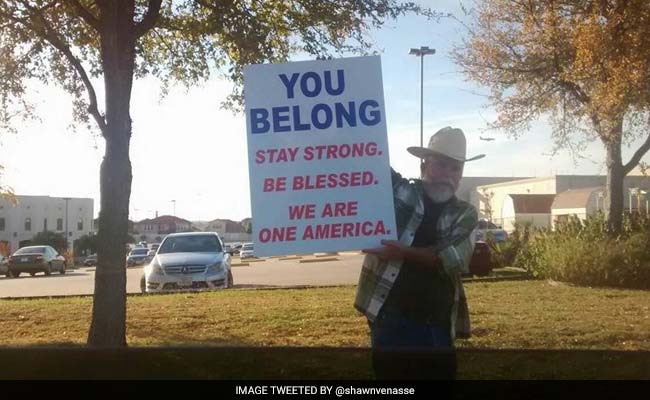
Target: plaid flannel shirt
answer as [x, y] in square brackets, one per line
[455, 225]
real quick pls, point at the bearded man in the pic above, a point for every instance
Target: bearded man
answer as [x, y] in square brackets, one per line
[410, 289]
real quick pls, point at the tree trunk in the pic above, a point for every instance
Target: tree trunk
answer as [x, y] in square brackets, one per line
[615, 195]
[108, 326]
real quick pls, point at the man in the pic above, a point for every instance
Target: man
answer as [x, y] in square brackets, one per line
[410, 289]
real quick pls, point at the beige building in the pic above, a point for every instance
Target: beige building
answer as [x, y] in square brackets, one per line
[154, 230]
[579, 196]
[33, 214]
[578, 202]
[228, 230]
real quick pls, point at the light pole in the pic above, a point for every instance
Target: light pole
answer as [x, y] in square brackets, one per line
[421, 52]
[67, 246]
[174, 203]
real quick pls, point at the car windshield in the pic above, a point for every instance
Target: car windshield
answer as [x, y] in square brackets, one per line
[139, 252]
[190, 244]
[31, 250]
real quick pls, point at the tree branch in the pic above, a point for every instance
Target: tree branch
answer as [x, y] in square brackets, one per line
[638, 154]
[85, 14]
[150, 18]
[47, 33]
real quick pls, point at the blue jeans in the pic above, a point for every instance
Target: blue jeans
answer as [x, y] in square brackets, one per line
[408, 349]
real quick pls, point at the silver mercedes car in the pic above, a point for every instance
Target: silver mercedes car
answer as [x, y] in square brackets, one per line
[188, 261]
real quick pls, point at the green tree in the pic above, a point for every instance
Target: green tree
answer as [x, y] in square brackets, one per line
[584, 63]
[86, 243]
[49, 238]
[68, 42]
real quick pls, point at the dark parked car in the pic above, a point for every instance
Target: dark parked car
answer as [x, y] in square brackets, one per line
[481, 262]
[34, 259]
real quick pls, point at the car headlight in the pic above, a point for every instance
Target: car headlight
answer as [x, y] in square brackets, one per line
[156, 268]
[216, 267]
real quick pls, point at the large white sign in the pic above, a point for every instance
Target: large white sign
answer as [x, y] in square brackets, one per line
[318, 156]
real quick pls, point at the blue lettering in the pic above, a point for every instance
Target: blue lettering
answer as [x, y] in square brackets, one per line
[259, 116]
[328, 82]
[280, 116]
[349, 114]
[328, 116]
[298, 126]
[375, 115]
[317, 84]
[289, 83]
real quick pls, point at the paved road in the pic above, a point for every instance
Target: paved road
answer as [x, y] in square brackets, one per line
[268, 273]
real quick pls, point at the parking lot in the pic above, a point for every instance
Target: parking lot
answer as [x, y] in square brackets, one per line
[311, 270]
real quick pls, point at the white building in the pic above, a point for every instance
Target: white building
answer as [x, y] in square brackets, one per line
[534, 209]
[33, 214]
[570, 195]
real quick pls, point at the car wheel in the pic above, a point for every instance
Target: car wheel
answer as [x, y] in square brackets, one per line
[14, 274]
[48, 270]
[143, 284]
[63, 267]
[230, 280]
[32, 273]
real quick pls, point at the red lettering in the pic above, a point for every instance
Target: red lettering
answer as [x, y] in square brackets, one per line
[265, 235]
[283, 234]
[308, 234]
[298, 183]
[339, 209]
[348, 229]
[303, 211]
[367, 179]
[322, 231]
[352, 208]
[366, 228]
[331, 181]
[331, 151]
[259, 156]
[380, 229]
[335, 231]
[275, 184]
[309, 153]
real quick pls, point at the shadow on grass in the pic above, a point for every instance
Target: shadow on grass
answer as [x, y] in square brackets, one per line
[302, 363]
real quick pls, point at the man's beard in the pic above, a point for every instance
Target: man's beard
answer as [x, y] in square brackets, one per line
[439, 192]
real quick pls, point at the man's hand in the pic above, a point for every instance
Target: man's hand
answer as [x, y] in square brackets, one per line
[391, 250]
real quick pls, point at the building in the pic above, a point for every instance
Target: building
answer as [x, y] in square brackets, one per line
[578, 202]
[534, 209]
[33, 214]
[229, 231]
[566, 195]
[154, 230]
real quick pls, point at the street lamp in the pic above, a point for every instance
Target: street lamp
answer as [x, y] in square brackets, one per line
[421, 52]
[67, 246]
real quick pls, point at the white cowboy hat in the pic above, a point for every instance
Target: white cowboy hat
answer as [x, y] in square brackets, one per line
[449, 142]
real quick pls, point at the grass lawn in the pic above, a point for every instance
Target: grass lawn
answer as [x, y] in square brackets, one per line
[516, 315]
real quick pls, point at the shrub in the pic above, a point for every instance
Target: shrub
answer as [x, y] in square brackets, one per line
[505, 253]
[585, 253]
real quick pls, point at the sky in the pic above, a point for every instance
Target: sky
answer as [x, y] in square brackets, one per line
[186, 148]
